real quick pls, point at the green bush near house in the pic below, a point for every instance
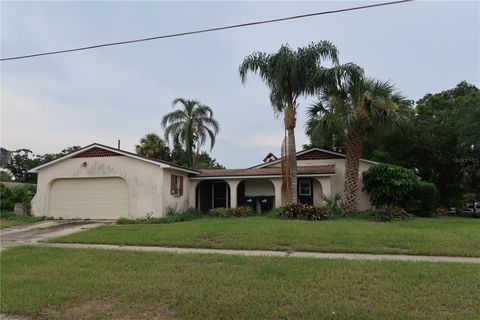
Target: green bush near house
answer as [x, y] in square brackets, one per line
[423, 200]
[230, 212]
[301, 211]
[190, 214]
[389, 185]
[19, 194]
[388, 213]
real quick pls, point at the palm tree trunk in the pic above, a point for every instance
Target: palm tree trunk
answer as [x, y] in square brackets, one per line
[195, 158]
[290, 123]
[353, 153]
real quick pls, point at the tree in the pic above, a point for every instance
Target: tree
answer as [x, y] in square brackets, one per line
[152, 146]
[193, 124]
[290, 74]
[441, 142]
[354, 106]
[5, 176]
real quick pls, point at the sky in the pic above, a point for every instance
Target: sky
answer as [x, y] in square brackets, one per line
[52, 102]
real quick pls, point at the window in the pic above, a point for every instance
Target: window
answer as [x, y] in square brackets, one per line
[176, 185]
[304, 187]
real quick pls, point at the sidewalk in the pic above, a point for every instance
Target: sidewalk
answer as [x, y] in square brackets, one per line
[318, 255]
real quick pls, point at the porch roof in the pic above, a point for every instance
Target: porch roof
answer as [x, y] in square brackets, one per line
[325, 170]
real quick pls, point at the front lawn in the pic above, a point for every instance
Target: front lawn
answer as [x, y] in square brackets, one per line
[55, 283]
[11, 219]
[428, 236]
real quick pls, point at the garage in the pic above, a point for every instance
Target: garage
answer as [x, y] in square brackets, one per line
[89, 198]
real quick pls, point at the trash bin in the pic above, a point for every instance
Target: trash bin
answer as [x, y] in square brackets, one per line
[266, 203]
[251, 202]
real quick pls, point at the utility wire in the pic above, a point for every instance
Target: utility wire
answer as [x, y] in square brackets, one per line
[248, 24]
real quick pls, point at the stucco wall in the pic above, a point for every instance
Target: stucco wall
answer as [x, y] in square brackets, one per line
[338, 181]
[144, 181]
[259, 187]
[180, 203]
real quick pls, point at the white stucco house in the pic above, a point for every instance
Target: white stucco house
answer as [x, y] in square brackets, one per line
[101, 182]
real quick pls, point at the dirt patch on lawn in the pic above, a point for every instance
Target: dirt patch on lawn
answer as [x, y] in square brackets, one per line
[102, 309]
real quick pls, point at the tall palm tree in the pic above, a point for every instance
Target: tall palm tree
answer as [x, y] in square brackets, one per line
[152, 146]
[351, 108]
[290, 74]
[194, 123]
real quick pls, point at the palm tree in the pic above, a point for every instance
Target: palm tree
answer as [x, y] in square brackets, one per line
[290, 74]
[152, 146]
[194, 123]
[352, 107]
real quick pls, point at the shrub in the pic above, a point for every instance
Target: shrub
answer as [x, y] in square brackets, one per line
[388, 213]
[19, 194]
[423, 199]
[172, 210]
[6, 201]
[333, 204]
[441, 211]
[389, 185]
[230, 212]
[302, 211]
[190, 214]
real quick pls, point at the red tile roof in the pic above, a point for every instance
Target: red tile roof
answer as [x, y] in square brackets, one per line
[325, 169]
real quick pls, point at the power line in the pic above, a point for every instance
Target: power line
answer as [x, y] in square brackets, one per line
[248, 24]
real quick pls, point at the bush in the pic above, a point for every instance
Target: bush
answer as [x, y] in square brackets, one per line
[388, 213]
[228, 212]
[19, 194]
[190, 214]
[423, 199]
[333, 204]
[389, 185]
[302, 211]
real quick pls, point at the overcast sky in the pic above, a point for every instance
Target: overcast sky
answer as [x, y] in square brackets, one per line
[48, 103]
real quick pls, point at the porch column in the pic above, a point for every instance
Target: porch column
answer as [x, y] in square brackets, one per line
[277, 183]
[326, 183]
[233, 184]
[192, 192]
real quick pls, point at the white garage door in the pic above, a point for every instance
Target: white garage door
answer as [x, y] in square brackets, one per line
[89, 198]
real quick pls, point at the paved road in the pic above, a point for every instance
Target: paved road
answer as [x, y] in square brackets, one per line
[30, 234]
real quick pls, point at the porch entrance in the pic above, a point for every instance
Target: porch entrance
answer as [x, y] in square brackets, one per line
[212, 194]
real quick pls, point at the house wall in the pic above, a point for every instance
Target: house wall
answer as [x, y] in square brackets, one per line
[259, 187]
[144, 181]
[180, 203]
[338, 181]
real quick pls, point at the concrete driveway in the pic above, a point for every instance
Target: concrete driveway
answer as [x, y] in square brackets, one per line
[32, 233]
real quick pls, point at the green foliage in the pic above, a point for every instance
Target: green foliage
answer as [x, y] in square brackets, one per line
[389, 185]
[190, 214]
[5, 176]
[152, 146]
[440, 141]
[18, 194]
[22, 217]
[388, 213]
[333, 204]
[6, 201]
[192, 126]
[301, 211]
[423, 200]
[230, 212]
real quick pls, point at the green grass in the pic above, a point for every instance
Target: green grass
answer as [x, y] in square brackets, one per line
[428, 236]
[55, 283]
[11, 219]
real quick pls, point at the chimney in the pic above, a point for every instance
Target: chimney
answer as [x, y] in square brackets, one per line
[118, 147]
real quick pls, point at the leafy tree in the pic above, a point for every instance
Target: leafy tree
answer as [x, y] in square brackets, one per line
[206, 162]
[440, 142]
[194, 123]
[152, 146]
[389, 185]
[290, 74]
[350, 109]
[5, 176]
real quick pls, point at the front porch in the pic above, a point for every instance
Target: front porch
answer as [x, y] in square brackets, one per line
[260, 193]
